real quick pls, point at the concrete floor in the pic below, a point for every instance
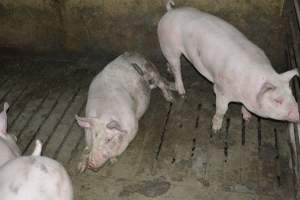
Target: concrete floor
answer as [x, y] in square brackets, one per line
[174, 156]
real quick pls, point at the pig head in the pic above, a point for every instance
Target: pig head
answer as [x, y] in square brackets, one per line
[275, 99]
[105, 141]
[8, 147]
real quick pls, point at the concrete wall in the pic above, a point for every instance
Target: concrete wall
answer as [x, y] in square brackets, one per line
[113, 26]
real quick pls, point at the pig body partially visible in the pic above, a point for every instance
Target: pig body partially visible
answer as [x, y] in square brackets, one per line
[117, 98]
[239, 69]
[8, 147]
[34, 177]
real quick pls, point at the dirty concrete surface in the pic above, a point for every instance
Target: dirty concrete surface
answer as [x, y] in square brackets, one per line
[174, 155]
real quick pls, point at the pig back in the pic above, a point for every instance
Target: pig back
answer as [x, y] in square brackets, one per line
[119, 87]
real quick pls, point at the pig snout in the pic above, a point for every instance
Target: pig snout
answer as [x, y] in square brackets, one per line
[96, 160]
[293, 115]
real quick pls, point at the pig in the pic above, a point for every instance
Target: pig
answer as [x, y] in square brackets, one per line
[117, 98]
[34, 177]
[239, 70]
[8, 147]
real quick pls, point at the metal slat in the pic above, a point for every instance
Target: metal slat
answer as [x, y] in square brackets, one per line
[294, 62]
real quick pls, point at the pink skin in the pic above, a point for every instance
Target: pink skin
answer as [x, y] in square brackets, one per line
[239, 70]
[118, 97]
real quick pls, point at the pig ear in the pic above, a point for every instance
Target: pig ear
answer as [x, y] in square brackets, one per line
[266, 87]
[85, 122]
[3, 119]
[288, 75]
[114, 125]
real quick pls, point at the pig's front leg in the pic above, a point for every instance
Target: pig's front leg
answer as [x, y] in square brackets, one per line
[83, 163]
[246, 114]
[221, 108]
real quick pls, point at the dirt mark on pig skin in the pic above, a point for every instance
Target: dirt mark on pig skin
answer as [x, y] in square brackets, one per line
[15, 187]
[43, 168]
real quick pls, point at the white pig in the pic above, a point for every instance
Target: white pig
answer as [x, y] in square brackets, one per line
[8, 147]
[239, 70]
[34, 177]
[118, 97]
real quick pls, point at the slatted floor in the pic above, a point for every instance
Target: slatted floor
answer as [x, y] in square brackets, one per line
[174, 156]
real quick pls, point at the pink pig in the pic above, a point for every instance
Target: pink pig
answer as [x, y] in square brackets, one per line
[34, 177]
[118, 97]
[239, 70]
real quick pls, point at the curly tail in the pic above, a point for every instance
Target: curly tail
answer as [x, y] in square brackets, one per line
[170, 4]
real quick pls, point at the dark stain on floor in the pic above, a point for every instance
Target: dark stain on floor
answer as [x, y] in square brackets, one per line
[152, 188]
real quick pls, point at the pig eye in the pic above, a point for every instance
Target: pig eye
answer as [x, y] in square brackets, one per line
[107, 140]
[278, 101]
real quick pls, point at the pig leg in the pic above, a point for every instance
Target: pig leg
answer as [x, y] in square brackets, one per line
[113, 160]
[156, 80]
[221, 108]
[246, 114]
[176, 69]
[83, 164]
[166, 88]
[169, 68]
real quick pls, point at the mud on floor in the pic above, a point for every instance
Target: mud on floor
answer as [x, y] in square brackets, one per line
[174, 156]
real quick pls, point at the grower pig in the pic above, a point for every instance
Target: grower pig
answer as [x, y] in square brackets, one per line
[117, 98]
[239, 69]
[34, 177]
[8, 147]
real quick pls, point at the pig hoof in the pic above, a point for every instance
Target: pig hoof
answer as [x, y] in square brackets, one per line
[246, 114]
[217, 124]
[82, 167]
[181, 93]
[216, 130]
[170, 98]
[113, 160]
[180, 90]
[247, 117]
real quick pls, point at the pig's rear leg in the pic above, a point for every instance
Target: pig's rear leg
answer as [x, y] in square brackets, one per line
[175, 66]
[221, 108]
[246, 114]
[166, 88]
